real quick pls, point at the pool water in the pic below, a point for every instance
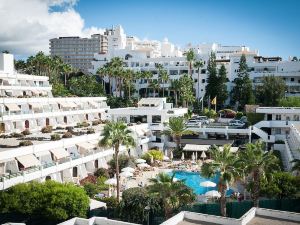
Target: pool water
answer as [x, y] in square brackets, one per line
[193, 180]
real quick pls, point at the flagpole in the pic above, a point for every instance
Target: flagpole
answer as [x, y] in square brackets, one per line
[216, 105]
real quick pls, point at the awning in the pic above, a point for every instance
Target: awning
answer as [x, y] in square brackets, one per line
[149, 101]
[13, 107]
[65, 104]
[232, 149]
[72, 104]
[193, 148]
[42, 153]
[59, 153]
[94, 142]
[94, 104]
[94, 204]
[28, 160]
[85, 146]
[35, 93]
[36, 105]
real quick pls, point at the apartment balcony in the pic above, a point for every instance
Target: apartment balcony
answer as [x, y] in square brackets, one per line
[45, 170]
[14, 116]
[156, 126]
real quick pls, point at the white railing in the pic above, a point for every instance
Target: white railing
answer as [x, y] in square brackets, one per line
[263, 135]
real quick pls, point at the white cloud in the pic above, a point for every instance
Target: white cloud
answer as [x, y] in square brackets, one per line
[27, 25]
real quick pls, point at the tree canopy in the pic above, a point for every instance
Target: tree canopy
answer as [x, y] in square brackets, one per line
[50, 200]
[270, 91]
[242, 92]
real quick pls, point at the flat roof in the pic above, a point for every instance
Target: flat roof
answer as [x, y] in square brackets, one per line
[264, 220]
[194, 222]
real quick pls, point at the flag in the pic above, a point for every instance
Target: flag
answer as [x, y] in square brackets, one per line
[214, 101]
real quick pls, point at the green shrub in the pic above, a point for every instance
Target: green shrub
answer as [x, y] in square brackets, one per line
[254, 118]
[90, 189]
[239, 115]
[134, 201]
[49, 200]
[67, 135]
[111, 202]
[85, 124]
[124, 161]
[55, 137]
[96, 122]
[90, 131]
[210, 113]
[156, 154]
[46, 129]
[17, 135]
[25, 143]
[102, 172]
[26, 132]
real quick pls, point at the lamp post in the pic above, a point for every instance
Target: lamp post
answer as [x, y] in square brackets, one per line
[147, 209]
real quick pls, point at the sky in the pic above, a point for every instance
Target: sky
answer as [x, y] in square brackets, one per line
[270, 26]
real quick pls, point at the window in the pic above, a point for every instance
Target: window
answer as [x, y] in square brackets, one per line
[156, 119]
[292, 79]
[277, 131]
[136, 119]
[278, 117]
[296, 117]
[203, 71]
[203, 81]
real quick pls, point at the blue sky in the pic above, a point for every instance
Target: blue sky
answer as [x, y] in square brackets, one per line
[273, 27]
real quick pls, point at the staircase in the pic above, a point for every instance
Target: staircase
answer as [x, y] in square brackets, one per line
[263, 135]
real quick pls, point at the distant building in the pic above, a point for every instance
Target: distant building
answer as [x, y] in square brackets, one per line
[78, 52]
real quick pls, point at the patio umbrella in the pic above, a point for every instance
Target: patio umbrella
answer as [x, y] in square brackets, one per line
[143, 165]
[193, 156]
[213, 194]
[126, 174]
[203, 155]
[196, 156]
[182, 156]
[171, 155]
[207, 184]
[166, 158]
[151, 160]
[138, 161]
[111, 181]
[128, 169]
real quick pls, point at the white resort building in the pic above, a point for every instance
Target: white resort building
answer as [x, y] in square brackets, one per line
[43, 137]
[144, 55]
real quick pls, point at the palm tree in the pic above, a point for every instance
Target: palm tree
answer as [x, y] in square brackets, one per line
[164, 77]
[114, 135]
[147, 75]
[154, 85]
[198, 65]
[296, 166]
[175, 86]
[128, 76]
[224, 163]
[116, 65]
[257, 163]
[190, 57]
[102, 72]
[173, 194]
[176, 129]
[138, 75]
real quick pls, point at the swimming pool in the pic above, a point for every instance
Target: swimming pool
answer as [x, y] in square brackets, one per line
[193, 180]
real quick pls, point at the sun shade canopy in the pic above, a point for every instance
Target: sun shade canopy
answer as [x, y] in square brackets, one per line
[12, 107]
[28, 160]
[149, 102]
[59, 153]
[190, 147]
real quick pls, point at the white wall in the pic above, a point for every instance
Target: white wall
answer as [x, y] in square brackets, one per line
[7, 63]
